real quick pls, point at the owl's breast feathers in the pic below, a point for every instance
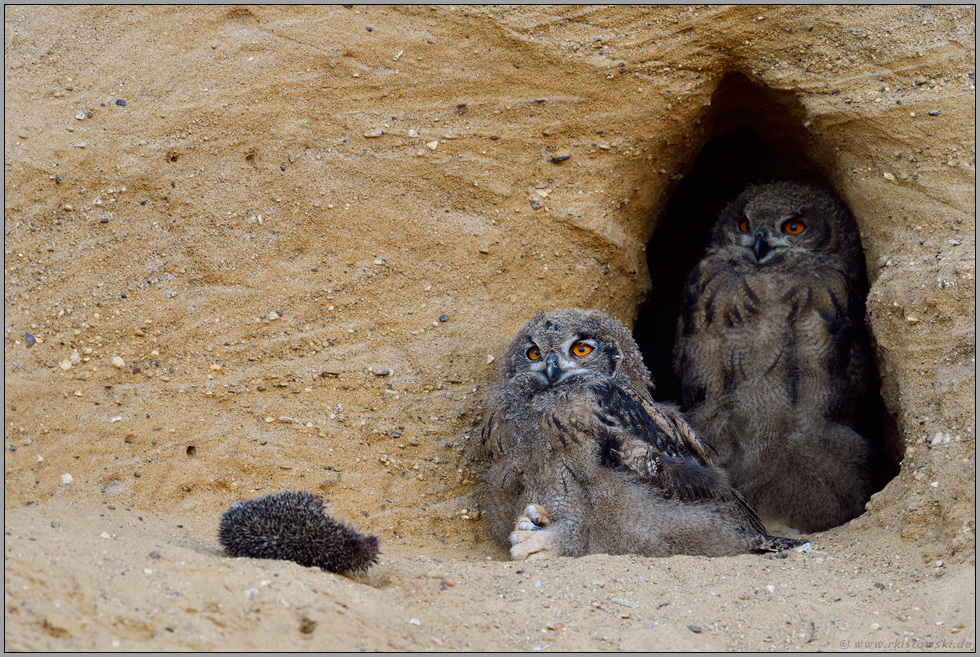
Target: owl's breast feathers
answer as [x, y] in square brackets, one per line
[727, 289]
[748, 323]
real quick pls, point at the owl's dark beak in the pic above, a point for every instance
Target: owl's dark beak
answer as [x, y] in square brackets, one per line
[552, 369]
[761, 245]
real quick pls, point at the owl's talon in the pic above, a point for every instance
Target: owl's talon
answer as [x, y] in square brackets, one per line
[529, 538]
[529, 546]
[538, 515]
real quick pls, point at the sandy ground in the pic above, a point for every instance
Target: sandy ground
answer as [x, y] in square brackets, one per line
[291, 200]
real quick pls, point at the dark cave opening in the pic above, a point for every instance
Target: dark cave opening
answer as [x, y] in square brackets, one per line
[749, 135]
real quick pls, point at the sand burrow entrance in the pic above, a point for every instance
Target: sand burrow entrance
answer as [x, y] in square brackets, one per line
[750, 134]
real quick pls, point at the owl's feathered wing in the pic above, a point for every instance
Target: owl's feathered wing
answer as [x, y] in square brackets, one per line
[657, 445]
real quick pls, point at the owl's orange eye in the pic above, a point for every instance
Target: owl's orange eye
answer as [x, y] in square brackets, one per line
[743, 225]
[794, 227]
[582, 349]
[534, 353]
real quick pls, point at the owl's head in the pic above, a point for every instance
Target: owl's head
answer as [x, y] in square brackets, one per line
[772, 223]
[570, 345]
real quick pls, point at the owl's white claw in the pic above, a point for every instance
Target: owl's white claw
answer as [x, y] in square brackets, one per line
[538, 515]
[540, 545]
[530, 539]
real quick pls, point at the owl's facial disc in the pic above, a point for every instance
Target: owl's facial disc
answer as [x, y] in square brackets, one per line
[552, 367]
[764, 244]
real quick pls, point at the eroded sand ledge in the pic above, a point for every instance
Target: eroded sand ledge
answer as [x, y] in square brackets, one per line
[238, 232]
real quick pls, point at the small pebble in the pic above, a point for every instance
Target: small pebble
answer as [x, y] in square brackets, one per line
[535, 201]
[29, 339]
[695, 628]
[415, 621]
[623, 603]
[374, 133]
[120, 102]
[117, 362]
[155, 555]
[490, 359]
[250, 593]
[560, 158]
[383, 372]
[432, 144]
[442, 318]
[67, 479]
[80, 116]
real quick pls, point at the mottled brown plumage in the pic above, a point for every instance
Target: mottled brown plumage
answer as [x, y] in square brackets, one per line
[584, 462]
[771, 352]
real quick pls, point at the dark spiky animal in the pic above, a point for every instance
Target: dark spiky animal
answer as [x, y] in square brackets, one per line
[292, 525]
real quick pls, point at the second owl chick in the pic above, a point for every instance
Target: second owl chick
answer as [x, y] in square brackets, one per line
[772, 356]
[583, 462]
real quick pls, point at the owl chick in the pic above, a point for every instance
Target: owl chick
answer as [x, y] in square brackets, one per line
[583, 462]
[771, 352]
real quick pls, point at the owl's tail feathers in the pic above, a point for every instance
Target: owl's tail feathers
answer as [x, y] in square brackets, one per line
[766, 543]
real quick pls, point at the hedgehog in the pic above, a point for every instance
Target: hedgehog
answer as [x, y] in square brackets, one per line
[292, 525]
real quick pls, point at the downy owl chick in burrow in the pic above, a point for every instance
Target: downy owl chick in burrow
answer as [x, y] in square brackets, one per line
[583, 462]
[772, 354]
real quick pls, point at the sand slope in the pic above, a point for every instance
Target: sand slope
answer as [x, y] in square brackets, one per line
[292, 200]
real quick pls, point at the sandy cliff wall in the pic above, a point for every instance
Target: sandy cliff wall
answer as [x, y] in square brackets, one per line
[293, 200]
